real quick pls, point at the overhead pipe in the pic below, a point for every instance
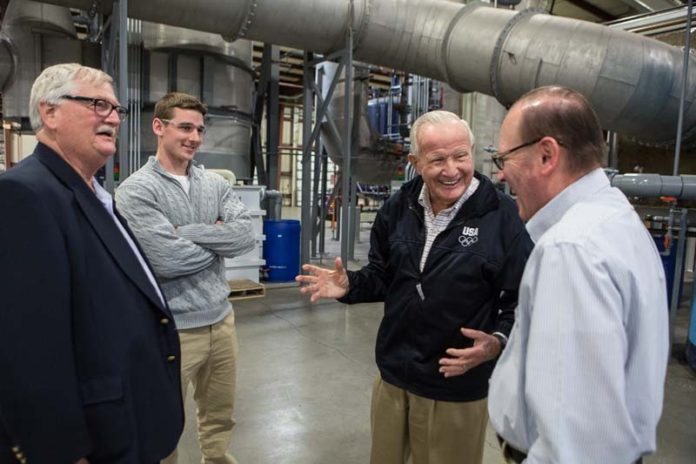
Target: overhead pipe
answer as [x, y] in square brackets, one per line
[23, 29]
[655, 185]
[203, 64]
[632, 81]
[8, 61]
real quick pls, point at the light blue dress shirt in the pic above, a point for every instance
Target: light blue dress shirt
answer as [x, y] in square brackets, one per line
[582, 377]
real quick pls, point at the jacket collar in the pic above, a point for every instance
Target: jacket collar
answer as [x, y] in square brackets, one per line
[485, 198]
[60, 168]
[100, 220]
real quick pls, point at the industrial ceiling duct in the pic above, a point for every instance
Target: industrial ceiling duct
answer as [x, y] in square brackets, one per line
[218, 72]
[633, 81]
[33, 37]
[375, 158]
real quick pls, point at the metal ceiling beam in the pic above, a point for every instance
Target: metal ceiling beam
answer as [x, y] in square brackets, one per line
[593, 9]
[649, 6]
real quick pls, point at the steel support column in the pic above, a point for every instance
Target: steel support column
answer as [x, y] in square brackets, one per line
[347, 184]
[324, 205]
[685, 75]
[261, 90]
[310, 140]
[122, 81]
[318, 200]
[115, 63]
[308, 136]
[271, 56]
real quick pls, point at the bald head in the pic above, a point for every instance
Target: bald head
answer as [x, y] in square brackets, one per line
[568, 117]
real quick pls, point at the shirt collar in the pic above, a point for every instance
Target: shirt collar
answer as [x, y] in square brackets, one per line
[554, 210]
[103, 196]
[424, 198]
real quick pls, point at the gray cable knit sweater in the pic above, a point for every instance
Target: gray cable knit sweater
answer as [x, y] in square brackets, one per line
[181, 240]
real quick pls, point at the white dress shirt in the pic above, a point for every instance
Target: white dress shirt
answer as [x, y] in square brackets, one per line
[582, 377]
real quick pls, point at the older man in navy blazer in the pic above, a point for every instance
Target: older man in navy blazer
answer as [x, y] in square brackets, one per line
[89, 354]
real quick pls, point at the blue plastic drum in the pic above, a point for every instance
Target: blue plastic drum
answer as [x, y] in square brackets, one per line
[281, 250]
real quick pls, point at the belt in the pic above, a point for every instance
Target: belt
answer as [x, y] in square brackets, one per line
[515, 456]
[511, 454]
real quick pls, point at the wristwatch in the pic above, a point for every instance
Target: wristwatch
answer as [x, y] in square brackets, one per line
[502, 338]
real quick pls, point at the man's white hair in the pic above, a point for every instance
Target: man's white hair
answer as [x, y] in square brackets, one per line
[58, 80]
[434, 118]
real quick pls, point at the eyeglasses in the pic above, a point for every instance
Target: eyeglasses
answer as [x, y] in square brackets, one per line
[499, 157]
[100, 106]
[185, 127]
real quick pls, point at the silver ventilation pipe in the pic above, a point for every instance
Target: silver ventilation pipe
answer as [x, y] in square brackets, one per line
[656, 185]
[7, 61]
[31, 39]
[374, 158]
[632, 81]
[202, 64]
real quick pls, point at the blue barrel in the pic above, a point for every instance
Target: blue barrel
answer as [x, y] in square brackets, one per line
[669, 262]
[691, 339]
[281, 250]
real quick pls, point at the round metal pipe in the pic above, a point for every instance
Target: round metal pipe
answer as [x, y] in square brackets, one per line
[7, 62]
[19, 27]
[632, 81]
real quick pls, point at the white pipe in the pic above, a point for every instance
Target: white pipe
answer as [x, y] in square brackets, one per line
[655, 185]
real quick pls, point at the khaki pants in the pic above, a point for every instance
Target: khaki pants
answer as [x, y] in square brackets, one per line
[429, 431]
[209, 362]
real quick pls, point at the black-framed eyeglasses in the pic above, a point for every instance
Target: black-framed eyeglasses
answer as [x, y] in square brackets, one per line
[100, 106]
[499, 157]
[185, 127]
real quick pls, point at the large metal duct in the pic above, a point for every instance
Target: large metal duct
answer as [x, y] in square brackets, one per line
[34, 36]
[633, 81]
[374, 158]
[219, 72]
[7, 61]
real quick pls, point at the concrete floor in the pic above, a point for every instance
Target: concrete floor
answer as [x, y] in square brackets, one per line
[305, 377]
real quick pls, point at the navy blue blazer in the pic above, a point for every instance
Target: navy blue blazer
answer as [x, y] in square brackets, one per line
[89, 356]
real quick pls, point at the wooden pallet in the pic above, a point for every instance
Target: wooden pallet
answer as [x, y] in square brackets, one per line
[245, 289]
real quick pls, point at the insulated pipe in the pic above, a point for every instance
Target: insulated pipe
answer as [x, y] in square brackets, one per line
[632, 81]
[23, 27]
[7, 61]
[656, 185]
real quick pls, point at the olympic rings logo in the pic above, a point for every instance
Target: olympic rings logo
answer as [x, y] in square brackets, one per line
[466, 241]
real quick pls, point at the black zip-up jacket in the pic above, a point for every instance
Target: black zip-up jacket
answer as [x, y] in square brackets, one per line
[470, 279]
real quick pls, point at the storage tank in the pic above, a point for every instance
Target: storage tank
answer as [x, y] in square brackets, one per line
[217, 72]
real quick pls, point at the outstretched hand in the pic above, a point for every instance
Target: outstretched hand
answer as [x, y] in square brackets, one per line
[486, 347]
[324, 283]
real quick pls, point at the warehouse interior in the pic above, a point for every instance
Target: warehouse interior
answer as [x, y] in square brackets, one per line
[310, 105]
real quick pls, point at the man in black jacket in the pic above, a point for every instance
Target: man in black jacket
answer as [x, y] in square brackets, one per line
[446, 256]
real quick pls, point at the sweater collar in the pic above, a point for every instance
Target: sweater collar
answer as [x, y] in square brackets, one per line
[195, 170]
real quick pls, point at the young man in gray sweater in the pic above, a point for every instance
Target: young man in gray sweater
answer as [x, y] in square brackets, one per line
[187, 221]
